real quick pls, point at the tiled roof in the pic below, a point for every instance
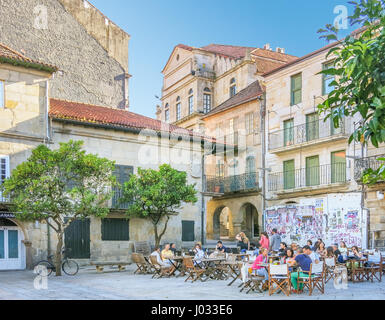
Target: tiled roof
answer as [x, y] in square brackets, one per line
[250, 93]
[114, 118]
[8, 55]
[264, 53]
[183, 46]
[235, 52]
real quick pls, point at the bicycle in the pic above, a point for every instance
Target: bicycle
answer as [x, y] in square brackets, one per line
[70, 267]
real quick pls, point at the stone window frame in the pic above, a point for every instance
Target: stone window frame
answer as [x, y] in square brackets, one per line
[178, 108]
[294, 90]
[166, 113]
[207, 100]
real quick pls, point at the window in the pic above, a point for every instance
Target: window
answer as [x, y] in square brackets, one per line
[4, 171]
[115, 230]
[288, 174]
[312, 126]
[312, 171]
[166, 113]
[219, 130]
[249, 123]
[327, 79]
[2, 94]
[122, 174]
[288, 132]
[188, 233]
[338, 170]
[191, 102]
[233, 87]
[220, 169]
[296, 89]
[206, 100]
[178, 114]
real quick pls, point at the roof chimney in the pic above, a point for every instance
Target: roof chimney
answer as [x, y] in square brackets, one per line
[280, 50]
[266, 46]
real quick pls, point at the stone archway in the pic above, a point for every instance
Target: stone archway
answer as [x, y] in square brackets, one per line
[250, 220]
[222, 222]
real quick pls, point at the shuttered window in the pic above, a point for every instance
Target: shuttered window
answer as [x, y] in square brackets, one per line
[296, 89]
[188, 231]
[115, 230]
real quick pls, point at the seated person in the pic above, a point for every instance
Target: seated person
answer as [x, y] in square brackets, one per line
[199, 254]
[321, 250]
[343, 248]
[156, 253]
[304, 261]
[356, 254]
[315, 258]
[220, 247]
[260, 270]
[309, 243]
[166, 252]
[282, 249]
[256, 249]
[289, 258]
[330, 253]
[295, 247]
[173, 248]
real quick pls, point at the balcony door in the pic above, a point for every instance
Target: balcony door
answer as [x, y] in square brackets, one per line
[312, 171]
[289, 174]
[288, 132]
[312, 126]
[338, 169]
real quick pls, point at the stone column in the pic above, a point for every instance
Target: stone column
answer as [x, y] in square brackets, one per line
[28, 254]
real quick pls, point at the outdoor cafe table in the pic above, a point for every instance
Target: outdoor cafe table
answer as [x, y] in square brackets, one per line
[177, 262]
[210, 264]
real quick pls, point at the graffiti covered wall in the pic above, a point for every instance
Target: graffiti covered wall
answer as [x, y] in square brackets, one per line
[334, 218]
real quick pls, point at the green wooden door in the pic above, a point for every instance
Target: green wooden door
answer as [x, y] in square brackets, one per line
[312, 126]
[338, 167]
[288, 132]
[289, 174]
[188, 233]
[77, 239]
[312, 171]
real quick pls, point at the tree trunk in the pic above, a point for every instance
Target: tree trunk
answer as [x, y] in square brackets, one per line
[58, 254]
[157, 238]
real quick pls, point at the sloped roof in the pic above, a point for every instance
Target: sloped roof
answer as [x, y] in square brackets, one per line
[250, 93]
[235, 52]
[114, 118]
[10, 56]
[270, 54]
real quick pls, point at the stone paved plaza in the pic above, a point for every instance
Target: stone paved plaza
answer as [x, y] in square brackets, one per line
[88, 284]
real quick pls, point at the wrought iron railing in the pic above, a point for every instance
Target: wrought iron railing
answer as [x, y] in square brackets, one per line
[306, 132]
[116, 204]
[243, 182]
[360, 165]
[308, 177]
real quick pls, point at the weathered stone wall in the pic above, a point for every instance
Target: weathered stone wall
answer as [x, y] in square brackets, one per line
[88, 73]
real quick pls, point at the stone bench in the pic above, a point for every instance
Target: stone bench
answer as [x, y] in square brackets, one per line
[100, 265]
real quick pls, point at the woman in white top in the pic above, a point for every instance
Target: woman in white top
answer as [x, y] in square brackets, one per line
[156, 253]
[199, 254]
[343, 248]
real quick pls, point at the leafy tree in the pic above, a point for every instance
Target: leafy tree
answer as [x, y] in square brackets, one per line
[359, 70]
[157, 195]
[59, 186]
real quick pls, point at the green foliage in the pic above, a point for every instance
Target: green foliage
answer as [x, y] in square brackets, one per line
[54, 184]
[155, 194]
[359, 70]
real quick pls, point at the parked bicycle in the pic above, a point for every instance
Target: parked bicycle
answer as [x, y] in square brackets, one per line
[46, 267]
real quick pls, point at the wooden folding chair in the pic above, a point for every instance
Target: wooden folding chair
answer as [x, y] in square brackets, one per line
[142, 266]
[194, 273]
[374, 269]
[330, 266]
[314, 278]
[358, 272]
[279, 279]
[160, 270]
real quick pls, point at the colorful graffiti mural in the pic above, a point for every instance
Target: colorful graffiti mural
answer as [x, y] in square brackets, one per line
[334, 218]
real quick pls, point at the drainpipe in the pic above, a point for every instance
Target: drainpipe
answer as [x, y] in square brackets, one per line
[47, 141]
[263, 129]
[203, 240]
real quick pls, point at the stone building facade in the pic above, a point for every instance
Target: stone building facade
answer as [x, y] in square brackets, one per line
[90, 51]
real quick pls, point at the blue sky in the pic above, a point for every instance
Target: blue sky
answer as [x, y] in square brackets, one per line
[156, 26]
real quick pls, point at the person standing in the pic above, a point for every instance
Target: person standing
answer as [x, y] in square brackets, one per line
[275, 241]
[264, 242]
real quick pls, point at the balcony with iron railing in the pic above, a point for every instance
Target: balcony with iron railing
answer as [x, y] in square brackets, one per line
[360, 165]
[231, 184]
[307, 133]
[115, 201]
[309, 178]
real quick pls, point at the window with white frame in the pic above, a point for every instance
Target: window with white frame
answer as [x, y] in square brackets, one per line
[206, 100]
[249, 123]
[2, 94]
[4, 171]
[191, 102]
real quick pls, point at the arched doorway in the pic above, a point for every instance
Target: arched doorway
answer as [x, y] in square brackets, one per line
[250, 223]
[12, 250]
[222, 221]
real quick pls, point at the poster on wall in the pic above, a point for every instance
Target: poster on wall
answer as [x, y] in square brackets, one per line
[334, 218]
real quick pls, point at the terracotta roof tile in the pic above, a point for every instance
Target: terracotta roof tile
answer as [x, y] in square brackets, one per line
[235, 52]
[248, 94]
[14, 57]
[264, 53]
[114, 118]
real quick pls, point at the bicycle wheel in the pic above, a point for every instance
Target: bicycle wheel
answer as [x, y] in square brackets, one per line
[44, 268]
[70, 267]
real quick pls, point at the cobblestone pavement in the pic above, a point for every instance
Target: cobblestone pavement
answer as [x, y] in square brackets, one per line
[88, 284]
